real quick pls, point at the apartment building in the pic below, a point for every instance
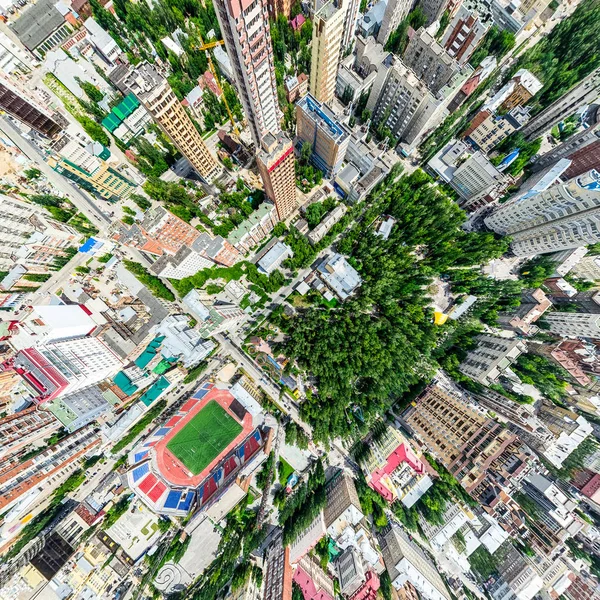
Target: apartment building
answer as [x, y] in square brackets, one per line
[519, 89]
[22, 429]
[275, 161]
[429, 60]
[573, 325]
[278, 571]
[343, 506]
[317, 125]
[487, 129]
[564, 216]
[213, 316]
[157, 97]
[492, 356]
[518, 577]
[534, 304]
[395, 13]
[463, 34]
[328, 31]
[329, 220]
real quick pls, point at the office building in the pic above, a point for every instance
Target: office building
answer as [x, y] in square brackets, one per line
[328, 30]
[101, 179]
[79, 408]
[47, 470]
[581, 148]
[30, 238]
[351, 572]
[23, 429]
[401, 102]
[336, 273]
[275, 161]
[182, 342]
[562, 217]
[317, 125]
[102, 41]
[155, 93]
[278, 571]
[428, 60]
[572, 325]
[21, 106]
[395, 12]
[519, 89]
[490, 359]
[393, 469]
[272, 260]
[245, 29]
[42, 27]
[406, 563]
[213, 316]
[582, 93]
[463, 34]
[487, 129]
[468, 443]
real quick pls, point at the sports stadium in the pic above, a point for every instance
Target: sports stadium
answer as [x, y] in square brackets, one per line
[189, 461]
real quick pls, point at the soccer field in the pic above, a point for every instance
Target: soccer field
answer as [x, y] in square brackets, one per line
[204, 437]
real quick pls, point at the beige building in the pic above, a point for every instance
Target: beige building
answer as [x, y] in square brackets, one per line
[276, 166]
[155, 93]
[490, 129]
[328, 31]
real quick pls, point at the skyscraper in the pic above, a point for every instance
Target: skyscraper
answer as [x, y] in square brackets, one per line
[155, 93]
[564, 216]
[247, 38]
[328, 31]
[350, 23]
[394, 14]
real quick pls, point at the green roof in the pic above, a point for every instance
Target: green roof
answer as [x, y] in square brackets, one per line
[162, 367]
[124, 383]
[237, 234]
[149, 353]
[125, 108]
[111, 122]
[152, 393]
[62, 412]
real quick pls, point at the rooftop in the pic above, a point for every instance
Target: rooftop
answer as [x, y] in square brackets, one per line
[37, 23]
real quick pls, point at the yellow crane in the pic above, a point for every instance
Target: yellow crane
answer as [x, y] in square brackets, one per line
[211, 66]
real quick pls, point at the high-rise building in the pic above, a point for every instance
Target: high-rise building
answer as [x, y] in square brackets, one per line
[47, 470]
[22, 107]
[317, 125]
[24, 428]
[428, 60]
[468, 443]
[488, 129]
[573, 325]
[564, 216]
[30, 238]
[395, 12]
[275, 162]
[582, 93]
[433, 9]
[328, 31]
[279, 7]
[350, 23]
[278, 571]
[464, 34]
[247, 36]
[155, 93]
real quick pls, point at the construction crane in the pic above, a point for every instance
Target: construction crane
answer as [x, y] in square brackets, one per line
[211, 66]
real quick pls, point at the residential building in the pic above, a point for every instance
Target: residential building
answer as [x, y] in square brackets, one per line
[29, 238]
[584, 587]
[534, 303]
[351, 572]
[23, 429]
[428, 60]
[350, 24]
[279, 7]
[128, 119]
[102, 179]
[42, 27]
[342, 508]
[296, 86]
[102, 41]
[401, 102]
[487, 130]
[395, 12]
[245, 29]
[77, 409]
[308, 538]
[213, 316]
[277, 571]
[314, 582]
[255, 228]
[454, 518]
[481, 73]
[406, 563]
[328, 31]
[182, 342]
[21, 106]
[13, 59]
[582, 148]
[572, 325]
[393, 469]
[317, 125]
[573, 356]
[155, 93]
[472, 446]
[275, 161]
[519, 89]
[184, 263]
[463, 34]
[371, 22]
[491, 358]
[562, 217]
[329, 220]
[272, 260]
[47, 470]
[582, 93]
[336, 273]
[433, 9]
[588, 268]
[518, 577]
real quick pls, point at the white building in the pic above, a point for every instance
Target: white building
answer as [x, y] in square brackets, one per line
[339, 276]
[213, 315]
[330, 219]
[573, 325]
[521, 79]
[102, 41]
[454, 518]
[183, 342]
[184, 263]
[272, 260]
[13, 58]
[562, 217]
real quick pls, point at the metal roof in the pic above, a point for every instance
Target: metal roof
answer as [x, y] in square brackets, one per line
[37, 23]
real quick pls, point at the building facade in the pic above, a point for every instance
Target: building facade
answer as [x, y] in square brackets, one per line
[463, 34]
[491, 129]
[572, 325]
[395, 12]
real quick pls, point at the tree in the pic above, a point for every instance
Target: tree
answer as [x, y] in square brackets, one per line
[32, 173]
[497, 42]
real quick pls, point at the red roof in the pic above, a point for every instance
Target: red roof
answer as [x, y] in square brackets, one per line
[297, 22]
[308, 587]
[470, 85]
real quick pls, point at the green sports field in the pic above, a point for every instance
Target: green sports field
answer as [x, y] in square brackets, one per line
[204, 437]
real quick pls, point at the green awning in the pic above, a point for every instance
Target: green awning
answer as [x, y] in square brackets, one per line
[152, 393]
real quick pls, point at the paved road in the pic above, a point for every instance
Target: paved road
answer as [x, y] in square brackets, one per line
[82, 201]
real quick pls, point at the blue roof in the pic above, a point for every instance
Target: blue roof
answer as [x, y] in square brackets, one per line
[185, 504]
[140, 472]
[510, 158]
[140, 455]
[163, 431]
[172, 499]
[88, 245]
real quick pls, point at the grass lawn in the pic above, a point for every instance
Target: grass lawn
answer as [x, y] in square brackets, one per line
[284, 470]
[204, 437]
